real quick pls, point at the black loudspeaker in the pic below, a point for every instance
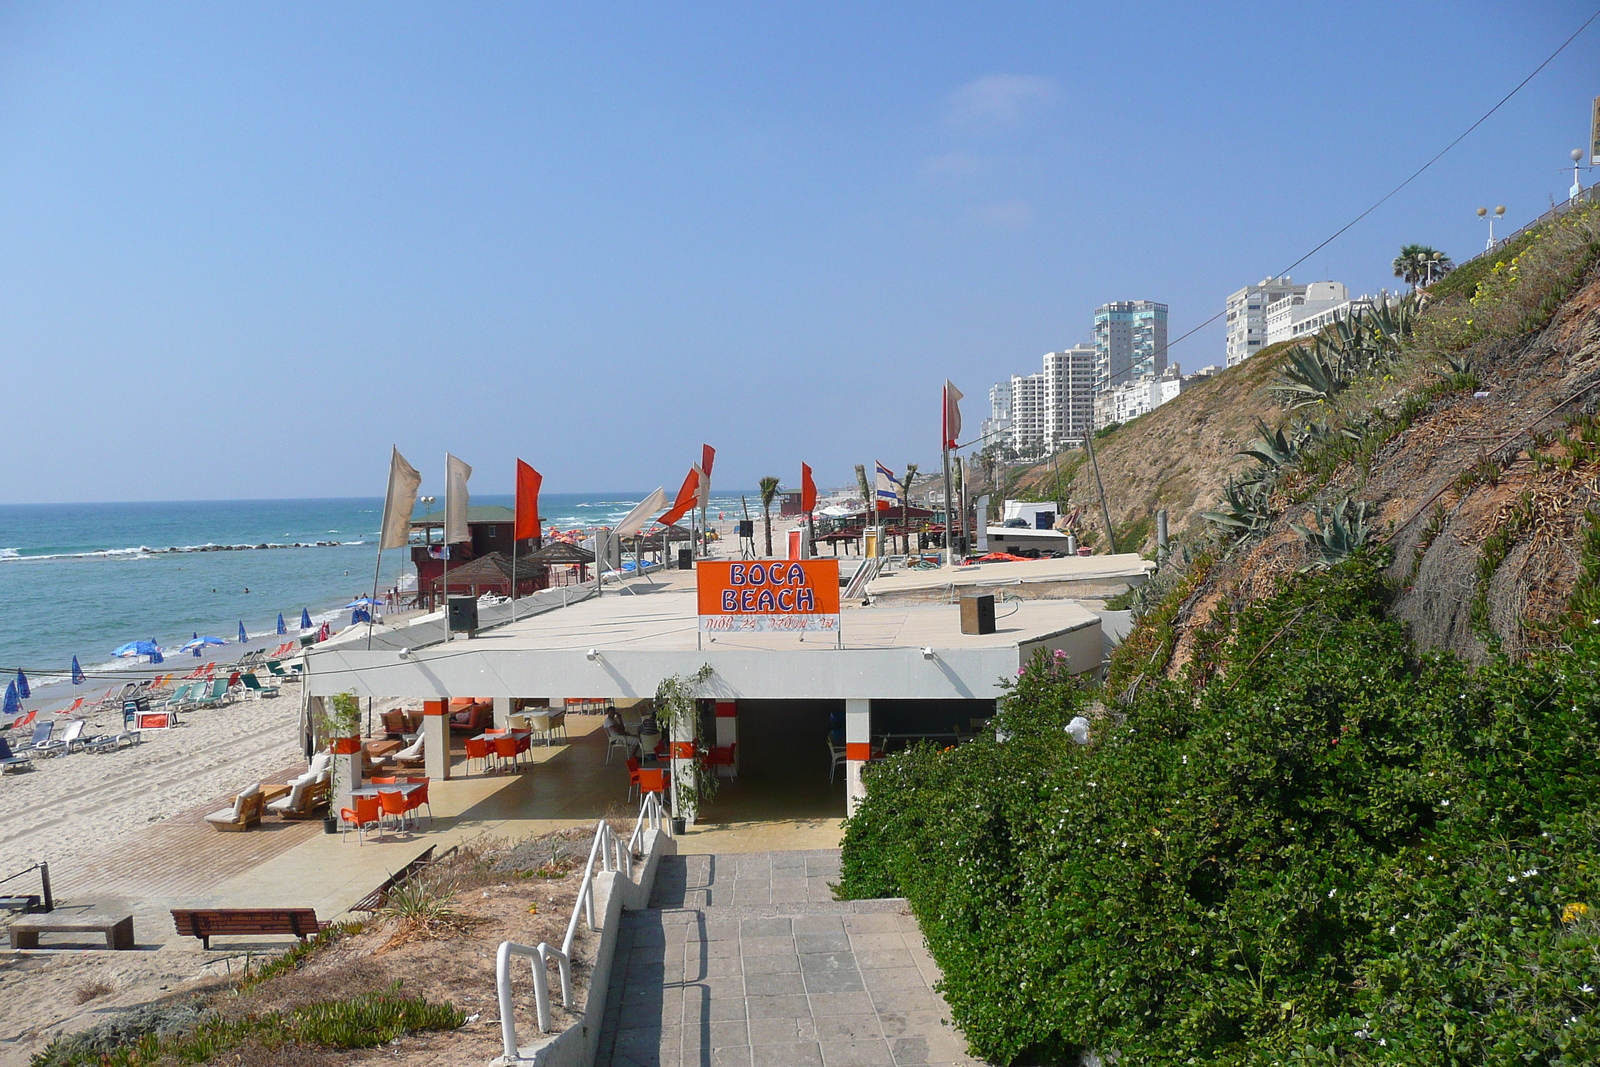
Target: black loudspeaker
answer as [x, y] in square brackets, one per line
[977, 614]
[686, 559]
[747, 528]
[464, 614]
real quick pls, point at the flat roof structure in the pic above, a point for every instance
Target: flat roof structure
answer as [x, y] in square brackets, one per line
[1068, 576]
[622, 645]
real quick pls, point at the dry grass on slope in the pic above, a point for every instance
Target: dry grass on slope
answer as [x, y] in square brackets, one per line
[1177, 457]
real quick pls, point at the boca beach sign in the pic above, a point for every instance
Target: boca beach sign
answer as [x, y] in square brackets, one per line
[762, 595]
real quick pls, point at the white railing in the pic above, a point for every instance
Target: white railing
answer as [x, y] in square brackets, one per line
[614, 855]
[651, 817]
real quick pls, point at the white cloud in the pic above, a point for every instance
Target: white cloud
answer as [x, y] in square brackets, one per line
[999, 100]
[1006, 214]
[953, 166]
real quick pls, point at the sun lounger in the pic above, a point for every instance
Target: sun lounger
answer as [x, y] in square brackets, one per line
[41, 734]
[252, 683]
[303, 800]
[10, 762]
[71, 737]
[245, 813]
[75, 706]
[410, 756]
[216, 694]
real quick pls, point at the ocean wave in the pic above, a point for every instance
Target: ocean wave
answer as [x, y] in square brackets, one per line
[145, 551]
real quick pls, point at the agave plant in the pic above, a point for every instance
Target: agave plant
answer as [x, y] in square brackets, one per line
[1244, 510]
[1307, 378]
[1274, 448]
[1341, 529]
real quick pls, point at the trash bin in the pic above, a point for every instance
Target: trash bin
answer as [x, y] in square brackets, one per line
[686, 559]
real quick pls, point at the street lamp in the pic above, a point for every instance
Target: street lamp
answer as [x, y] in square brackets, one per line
[1577, 187]
[1499, 213]
[1434, 261]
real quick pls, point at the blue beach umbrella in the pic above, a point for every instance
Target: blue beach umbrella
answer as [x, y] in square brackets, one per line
[243, 637]
[135, 648]
[305, 619]
[77, 672]
[13, 702]
[200, 642]
[282, 629]
[155, 651]
[22, 685]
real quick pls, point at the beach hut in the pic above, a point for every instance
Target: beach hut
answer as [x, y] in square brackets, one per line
[491, 573]
[561, 553]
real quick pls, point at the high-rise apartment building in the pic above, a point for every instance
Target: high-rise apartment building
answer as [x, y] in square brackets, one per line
[1030, 419]
[997, 427]
[1130, 340]
[1069, 383]
[1247, 315]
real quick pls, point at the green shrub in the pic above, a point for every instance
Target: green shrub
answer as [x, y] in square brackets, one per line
[1325, 851]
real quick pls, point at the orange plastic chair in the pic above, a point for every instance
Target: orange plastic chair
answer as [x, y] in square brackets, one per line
[419, 797]
[477, 749]
[652, 780]
[393, 802]
[506, 748]
[382, 781]
[366, 812]
[633, 776]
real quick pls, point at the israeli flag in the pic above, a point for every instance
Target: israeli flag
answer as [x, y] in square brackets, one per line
[888, 490]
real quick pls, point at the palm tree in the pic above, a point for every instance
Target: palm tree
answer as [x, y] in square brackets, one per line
[769, 490]
[1421, 265]
[905, 499]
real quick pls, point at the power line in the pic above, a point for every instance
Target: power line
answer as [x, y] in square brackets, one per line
[1414, 174]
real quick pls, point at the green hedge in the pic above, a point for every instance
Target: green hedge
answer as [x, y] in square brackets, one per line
[1331, 852]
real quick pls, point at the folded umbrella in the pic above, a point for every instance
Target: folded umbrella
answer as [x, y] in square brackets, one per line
[243, 637]
[22, 685]
[77, 672]
[13, 704]
[282, 629]
[305, 619]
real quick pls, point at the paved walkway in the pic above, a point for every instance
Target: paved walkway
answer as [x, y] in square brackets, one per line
[748, 961]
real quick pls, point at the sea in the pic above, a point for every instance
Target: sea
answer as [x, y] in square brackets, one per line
[82, 579]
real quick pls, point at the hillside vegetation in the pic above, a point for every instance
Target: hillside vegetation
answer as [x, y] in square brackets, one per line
[1340, 797]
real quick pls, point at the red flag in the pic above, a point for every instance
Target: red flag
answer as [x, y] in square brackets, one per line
[527, 521]
[951, 423]
[808, 490]
[708, 456]
[687, 496]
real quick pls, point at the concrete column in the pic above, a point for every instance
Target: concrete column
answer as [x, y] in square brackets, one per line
[436, 731]
[347, 763]
[680, 746]
[502, 713]
[728, 734]
[857, 750]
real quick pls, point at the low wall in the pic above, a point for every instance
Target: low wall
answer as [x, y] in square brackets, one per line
[577, 1045]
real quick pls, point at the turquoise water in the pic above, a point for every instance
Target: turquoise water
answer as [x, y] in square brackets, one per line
[81, 579]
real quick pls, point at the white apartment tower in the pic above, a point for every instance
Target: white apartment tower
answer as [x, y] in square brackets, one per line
[997, 427]
[1247, 315]
[1029, 414]
[1070, 384]
[1130, 340]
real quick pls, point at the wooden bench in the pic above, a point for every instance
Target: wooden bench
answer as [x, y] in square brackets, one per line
[206, 924]
[117, 928]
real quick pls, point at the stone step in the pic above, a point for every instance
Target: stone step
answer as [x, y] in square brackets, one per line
[893, 905]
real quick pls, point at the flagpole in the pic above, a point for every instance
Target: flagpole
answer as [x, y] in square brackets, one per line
[444, 577]
[513, 562]
[949, 487]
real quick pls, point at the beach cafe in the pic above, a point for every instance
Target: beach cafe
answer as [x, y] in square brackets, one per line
[786, 673]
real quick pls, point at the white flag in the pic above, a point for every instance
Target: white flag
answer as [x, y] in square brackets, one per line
[399, 503]
[642, 513]
[703, 493]
[888, 490]
[456, 474]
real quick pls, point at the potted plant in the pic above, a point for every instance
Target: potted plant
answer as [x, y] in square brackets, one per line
[340, 728]
[678, 714]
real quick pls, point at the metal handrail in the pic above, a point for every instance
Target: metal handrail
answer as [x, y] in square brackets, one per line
[614, 855]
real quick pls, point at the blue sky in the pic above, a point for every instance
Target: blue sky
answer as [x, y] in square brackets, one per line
[248, 247]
